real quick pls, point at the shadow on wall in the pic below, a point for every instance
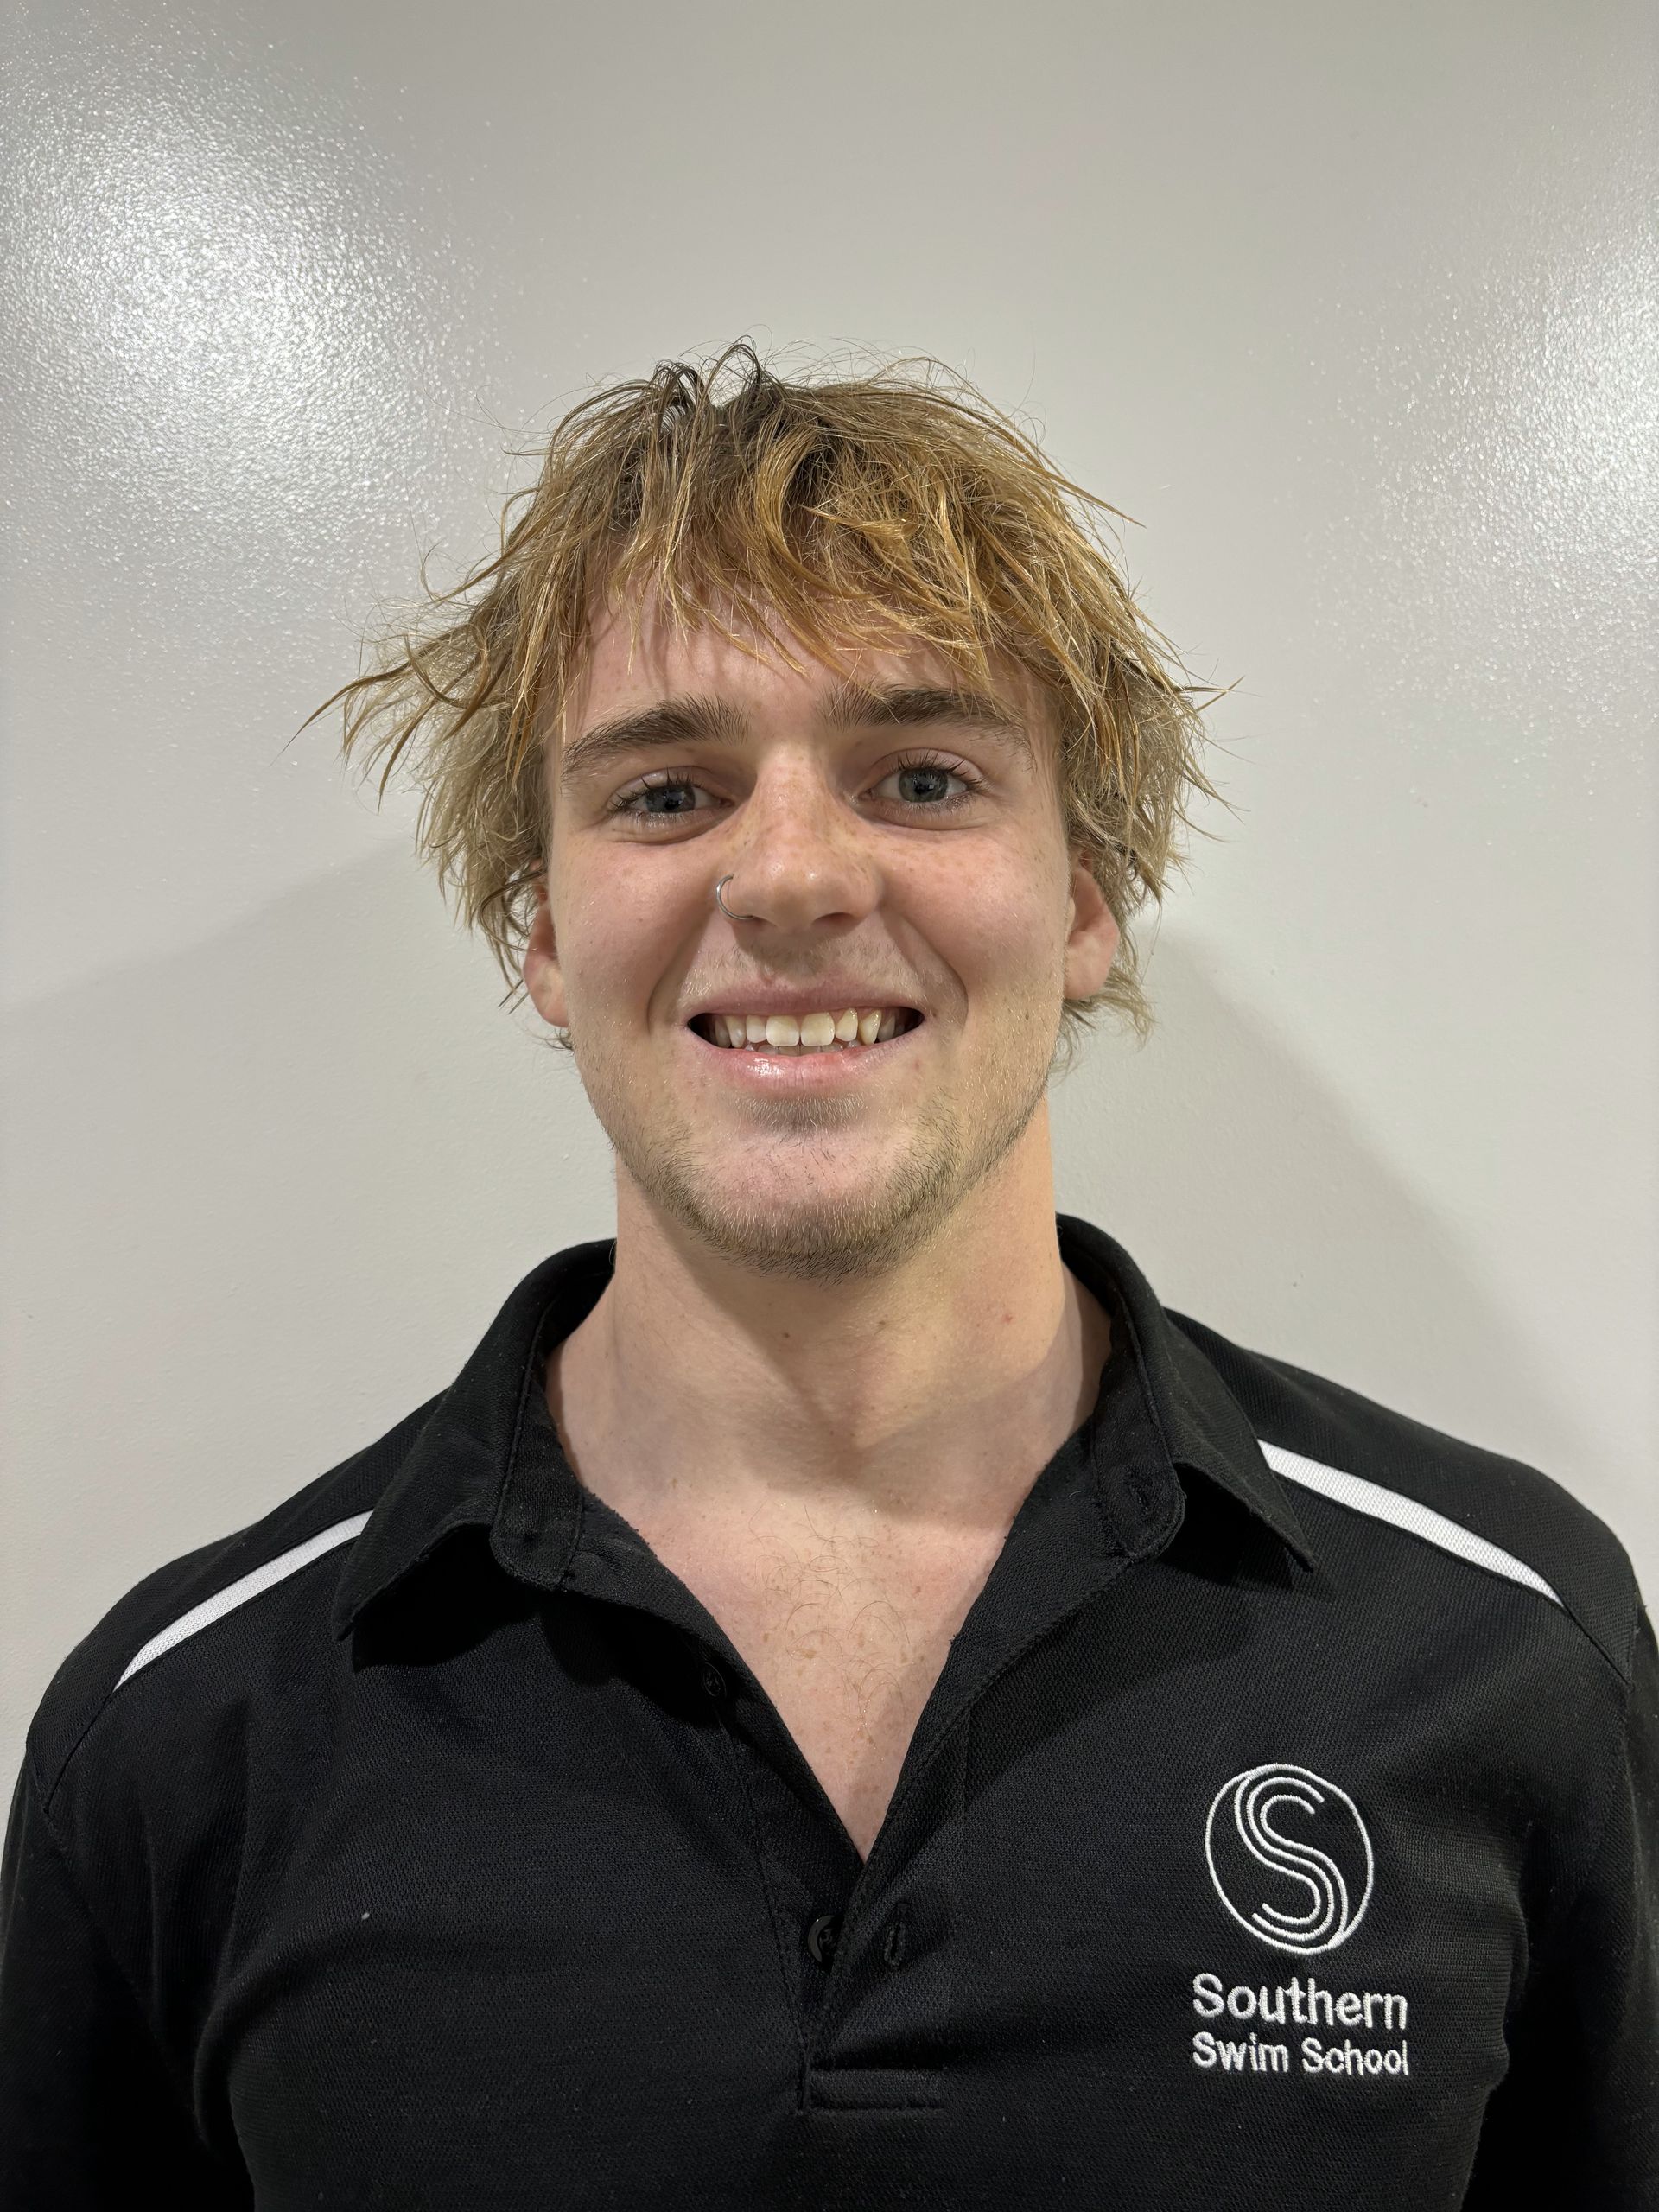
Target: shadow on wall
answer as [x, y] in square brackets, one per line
[277, 1185]
[1235, 1167]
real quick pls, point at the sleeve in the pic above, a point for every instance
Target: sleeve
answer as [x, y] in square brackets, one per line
[90, 2117]
[1575, 2121]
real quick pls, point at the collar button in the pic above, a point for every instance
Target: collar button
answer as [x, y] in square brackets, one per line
[822, 1937]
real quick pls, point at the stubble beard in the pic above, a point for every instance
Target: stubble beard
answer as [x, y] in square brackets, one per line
[820, 1237]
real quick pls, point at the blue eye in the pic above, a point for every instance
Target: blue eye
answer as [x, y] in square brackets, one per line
[631, 802]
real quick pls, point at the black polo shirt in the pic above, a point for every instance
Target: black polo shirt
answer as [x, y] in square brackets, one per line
[1281, 1832]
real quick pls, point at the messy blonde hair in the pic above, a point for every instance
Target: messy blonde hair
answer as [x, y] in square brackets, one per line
[850, 508]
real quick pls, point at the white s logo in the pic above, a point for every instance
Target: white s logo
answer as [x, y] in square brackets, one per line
[1327, 1857]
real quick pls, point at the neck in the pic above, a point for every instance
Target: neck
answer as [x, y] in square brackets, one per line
[931, 1391]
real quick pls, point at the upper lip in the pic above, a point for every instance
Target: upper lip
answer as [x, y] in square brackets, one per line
[816, 998]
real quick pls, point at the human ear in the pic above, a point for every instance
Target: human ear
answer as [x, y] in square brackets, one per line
[543, 978]
[1092, 935]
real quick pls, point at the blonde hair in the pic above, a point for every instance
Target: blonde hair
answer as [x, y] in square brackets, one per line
[850, 508]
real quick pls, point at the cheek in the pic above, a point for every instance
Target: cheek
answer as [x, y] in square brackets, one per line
[617, 938]
[1000, 925]
[635, 957]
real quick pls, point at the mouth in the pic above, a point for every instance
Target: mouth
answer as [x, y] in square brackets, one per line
[841, 1067]
[715, 1031]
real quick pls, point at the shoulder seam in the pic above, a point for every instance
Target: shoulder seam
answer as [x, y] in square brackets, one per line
[72, 1878]
[1375, 1499]
[1618, 1759]
[202, 1615]
[1398, 1510]
[251, 1585]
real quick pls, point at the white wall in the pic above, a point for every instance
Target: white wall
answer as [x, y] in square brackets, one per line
[1349, 307]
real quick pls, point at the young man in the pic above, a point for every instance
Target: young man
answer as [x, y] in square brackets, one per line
[846, 1701]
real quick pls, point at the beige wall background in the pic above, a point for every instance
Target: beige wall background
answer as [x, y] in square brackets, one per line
[1352, 308]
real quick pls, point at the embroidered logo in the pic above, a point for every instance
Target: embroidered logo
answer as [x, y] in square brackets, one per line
[1308, 1836]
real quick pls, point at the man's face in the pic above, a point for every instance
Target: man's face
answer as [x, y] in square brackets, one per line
[943, 887]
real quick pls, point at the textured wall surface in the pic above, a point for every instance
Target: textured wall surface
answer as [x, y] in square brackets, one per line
[1352, 309]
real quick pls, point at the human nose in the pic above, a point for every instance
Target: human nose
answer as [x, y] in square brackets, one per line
[799, 855]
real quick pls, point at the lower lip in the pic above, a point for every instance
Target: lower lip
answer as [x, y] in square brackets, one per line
[825, 1070]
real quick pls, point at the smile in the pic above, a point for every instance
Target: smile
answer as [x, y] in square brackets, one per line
[804, 1067]
[851, 1031]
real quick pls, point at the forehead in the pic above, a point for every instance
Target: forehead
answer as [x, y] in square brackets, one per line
[627, 666]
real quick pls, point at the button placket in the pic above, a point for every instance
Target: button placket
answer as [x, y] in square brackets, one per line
[893, 1938]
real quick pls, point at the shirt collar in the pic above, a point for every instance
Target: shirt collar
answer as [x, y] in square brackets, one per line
[1204, 1428]
[459, 1467]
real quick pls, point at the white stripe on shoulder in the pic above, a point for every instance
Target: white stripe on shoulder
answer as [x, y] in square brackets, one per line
[1405, 1513]
[250, 1586]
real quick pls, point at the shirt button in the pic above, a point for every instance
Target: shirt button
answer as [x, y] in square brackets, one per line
[821, 1937]
[713, 1680]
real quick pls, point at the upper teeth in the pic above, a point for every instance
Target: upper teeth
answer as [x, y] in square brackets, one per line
[811, 1033]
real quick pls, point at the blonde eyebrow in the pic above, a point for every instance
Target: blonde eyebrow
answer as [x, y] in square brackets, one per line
[695, 718]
